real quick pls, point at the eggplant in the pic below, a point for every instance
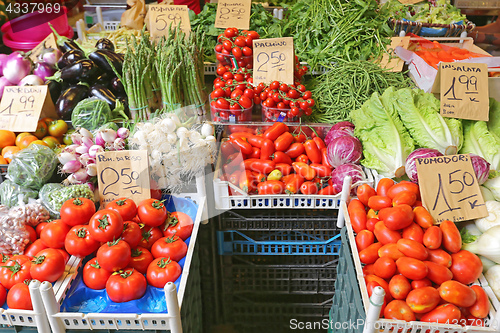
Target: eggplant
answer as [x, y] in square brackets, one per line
[64, 43]
[69, 99]
[100, 57]
[105, 44]
[104, 79]
[104, 94]
[83, 70]
[70, 58]
[55, 89]
[117, 86]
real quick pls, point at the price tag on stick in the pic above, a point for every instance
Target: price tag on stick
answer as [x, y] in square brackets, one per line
[464, 90]
[123, 174]
[449, 188]
[273, 59]
[233, 14]
[161, 17]
[48, 42]
[21, 107]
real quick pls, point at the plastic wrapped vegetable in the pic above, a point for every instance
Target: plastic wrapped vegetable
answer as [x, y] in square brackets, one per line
[44, 196]
[13, 234]
[33, 213]
[10, 193]
[33, 166]
[91, 113]
[54, 199]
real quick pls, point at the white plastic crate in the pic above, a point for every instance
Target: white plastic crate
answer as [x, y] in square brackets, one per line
[62, 321]
[388, 325]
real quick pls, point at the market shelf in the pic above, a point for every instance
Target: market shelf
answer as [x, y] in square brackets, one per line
[279, 274]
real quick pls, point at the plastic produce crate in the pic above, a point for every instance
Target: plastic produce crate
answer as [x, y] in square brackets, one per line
[188, 295]
[279, 275]
[353, 296]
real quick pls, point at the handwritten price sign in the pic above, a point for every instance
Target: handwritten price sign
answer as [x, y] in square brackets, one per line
[233, 14]
[273, 59]
[123, 174]
[161, 17]
[21, 107]
[449, 188]
[464, 91]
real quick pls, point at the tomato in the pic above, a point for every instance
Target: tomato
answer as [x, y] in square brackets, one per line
[106, 225]
[357, 215]
[78, 241]
[152, 212]
[413, 232]
[433, 237]
[65, 255]
[384, 185]
[77, 211]
[380, 282]
[48, 265]
[113, 256]
[260, 177]
[438, 273]
[399, 287]
[140, 260]
[324, 158]
[3, 294]
[300, 138]
[481, 308]
[94, 276]
[131, 233]
[15, 271]
[423, 299]
[292, 183]
[273, 132]
[403, 186]
[398, 217]
[329, 190]
[281, 157]
[126, 286]
[271, 187]
[295, 150]
[39, 228]
[283, 142]
[385, 235]
[19, 297]
[412, 249]
[255, 153]
[423, 217]
[149, 236]
[57, 128]
[368, 270]
[384, 267]
[246, 182]
[391, 251]
[262, 166]
[441, 257]
[266, 149]
[125, 207]
[364, 193]
[370, 286]
[54, 234]
[309, 188]
[370, 223]
[32, 233]
[372, 214]
[35, 247]
[302, 158]
[370, 254]
[411, 268]
[364, 239]
[284, 168]
[399, 310]
[457, 293]
[169, 247]
[227, 149]
[443, 314]
[242, 145]
[161, 271]
[404, 197]
[452, 241]
[466, 266]
[415, 284]
[378, 202]
[321, 170]
[312, 151]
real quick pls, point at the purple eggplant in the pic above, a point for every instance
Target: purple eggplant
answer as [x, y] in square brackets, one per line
[69, 99]
[70, 58]
[117, 86]
[81, 71]
[105, 44]
[104, 94]
[106, 60]
[55, 89]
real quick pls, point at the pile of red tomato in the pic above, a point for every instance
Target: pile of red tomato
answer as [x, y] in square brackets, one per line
[277, 161]
[425, 274]
[283, 102]
[135, 245]
[237, 45]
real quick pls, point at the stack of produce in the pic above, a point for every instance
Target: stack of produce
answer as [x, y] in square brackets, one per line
[421, 267]
[433, 11]
[284, 160]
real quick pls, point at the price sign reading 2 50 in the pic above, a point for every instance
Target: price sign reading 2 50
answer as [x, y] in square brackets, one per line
[273, 60]
[127, 178]
[277, 59]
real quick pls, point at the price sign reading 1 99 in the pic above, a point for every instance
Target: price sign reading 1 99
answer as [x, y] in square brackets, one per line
[273, 60]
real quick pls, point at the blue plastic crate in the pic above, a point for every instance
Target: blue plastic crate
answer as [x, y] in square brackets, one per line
[233, 242]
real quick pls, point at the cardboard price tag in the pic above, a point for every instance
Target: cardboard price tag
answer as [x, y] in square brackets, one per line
[409, 2]
[21, 107]
[162, 16]
[233, 14]
[464, 90]
[123, 174]
[48, 42]
[449, 188]
[394, 64]
[273, 59]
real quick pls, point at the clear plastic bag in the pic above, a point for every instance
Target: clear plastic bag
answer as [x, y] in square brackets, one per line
[91, 113]
[32, 214]
[44, 197]
[33, 166]
[10, 193]
[54, 199]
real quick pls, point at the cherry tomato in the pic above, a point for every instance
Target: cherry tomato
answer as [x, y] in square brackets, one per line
[105, 225]
[125, 207]
[54, 234]
[48, 265]
[140, 260]
[79, 243]
[161, 271]
[433, 237]
[94, 276]
[131, 233]
[423, 299]
[452, 241]
[19, 297]
[466, 266]
[152, 212]
[399, 287]
[57, 128]
[77, 211]
[126, 286]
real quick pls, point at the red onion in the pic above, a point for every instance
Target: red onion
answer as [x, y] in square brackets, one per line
[94, 150]
[99, 140]
[85, 159]
[31, 80]
[108, 135]
[16, 67]
[65, 157]
[81, 175]
[124, 132]
[43, 70]
[87, 142]
[4, 83]
[51, 56]
[119, 144]
[83, 149]
[76, 138]
[71, 166]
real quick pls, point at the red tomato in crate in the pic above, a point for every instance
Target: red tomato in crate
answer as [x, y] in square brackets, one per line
[466, 266]
[15, 270]
[113, 256]
[423, 299]
[152, 212]
[94, 276]
[399, 287]
[125, 207]
[79, 243]
[149, 236]
[77, 211]
[19, 297]
[169, 247]
[126, 286]
[53, 234]
[411, 268]
[48, 265]
[440, 256]
[399, 310]
[161, 271]
[457, 293]
[179, 224]
[131, 234]
[106, 225]
[141, 258]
